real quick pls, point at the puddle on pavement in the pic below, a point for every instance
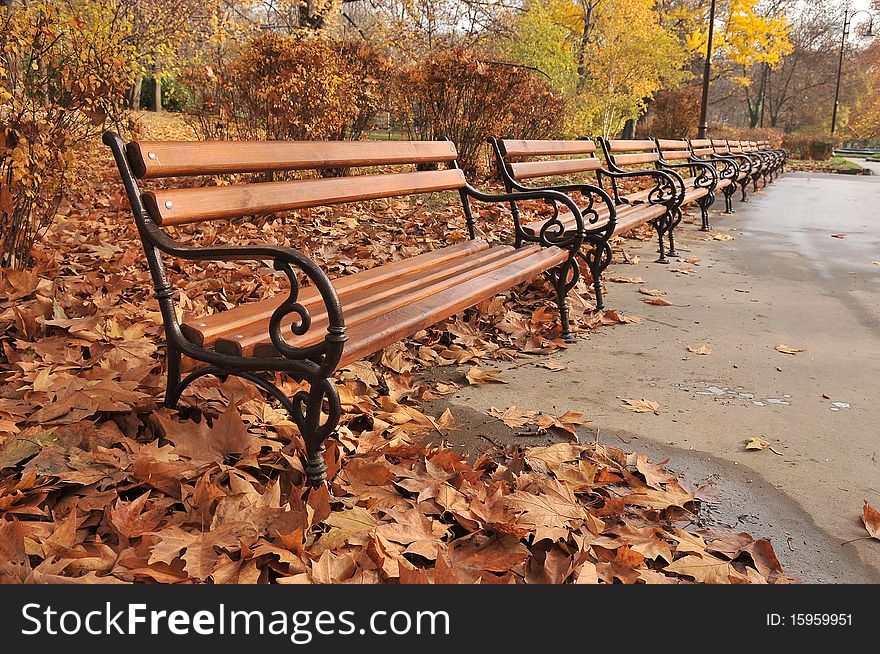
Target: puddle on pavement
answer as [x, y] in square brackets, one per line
[737, 393]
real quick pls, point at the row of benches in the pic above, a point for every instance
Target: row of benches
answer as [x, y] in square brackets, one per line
[322, 325]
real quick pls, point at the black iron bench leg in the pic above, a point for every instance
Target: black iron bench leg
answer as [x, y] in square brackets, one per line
[597, 259]
[743, 185]
[304, 409]
[672, 223]
[705, 202]
[661, 225]
[563, 278]
[728, 197]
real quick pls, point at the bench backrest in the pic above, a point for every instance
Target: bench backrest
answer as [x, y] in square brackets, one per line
[518, 158]
[702, 147]
[629, 152]
[672, 149]
[176, 206]
[721, 146]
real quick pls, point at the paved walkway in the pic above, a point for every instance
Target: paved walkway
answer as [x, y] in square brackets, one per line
[783, 279]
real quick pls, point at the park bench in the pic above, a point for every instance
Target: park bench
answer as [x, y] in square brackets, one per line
[321, 325]
[698, 187]
[777, 156]
[557, 164]
[729, 172]
[746, 164]
[712, 175]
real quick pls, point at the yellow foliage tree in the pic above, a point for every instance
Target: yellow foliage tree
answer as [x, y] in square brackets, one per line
[607, 56]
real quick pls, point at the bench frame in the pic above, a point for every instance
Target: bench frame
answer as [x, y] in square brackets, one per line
[314, 364]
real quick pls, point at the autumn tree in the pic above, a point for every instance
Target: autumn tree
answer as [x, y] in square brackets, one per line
[63, 71]
[750, 39]
[608, 57]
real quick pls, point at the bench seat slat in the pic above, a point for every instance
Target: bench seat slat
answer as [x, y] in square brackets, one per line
[153, 159]
[204, 331]
[188, 205]
[400, 307]
[361, 304]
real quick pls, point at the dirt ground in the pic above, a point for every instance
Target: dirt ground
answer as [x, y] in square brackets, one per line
[783, 279]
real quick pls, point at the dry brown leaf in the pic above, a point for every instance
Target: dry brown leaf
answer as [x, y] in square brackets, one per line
[513, 417]
[787, 349]
[653, 292]
[839, 235]
[757, 443]
[477, 376]
[871, 520]
[657, 301]
[622, 279]
[642, 406]
[700, 349]
[555, 366]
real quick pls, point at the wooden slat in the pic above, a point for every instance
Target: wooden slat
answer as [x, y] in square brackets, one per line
[535, 148]
[531, 169]
[151, 159]
[631, 145]
[720, 143]
[180, 206]
[670, 155]
[373, 335]
[702, 152]
[205, 330]
[368, 304]
[673, 144]
[700, 143]
[627, 159]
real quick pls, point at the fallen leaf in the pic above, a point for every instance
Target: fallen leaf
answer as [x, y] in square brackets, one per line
[653, 292]
[513, 417]
[700, 349]
[550, 364]
[871, 520]
[477, 376]
[706, 569]
[642, 406]
[757, 443]
[839, 235]
[620, 279]
[786, 349]
[658, 301]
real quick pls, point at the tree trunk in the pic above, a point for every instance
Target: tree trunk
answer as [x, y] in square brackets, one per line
[157, 92]
[133, 97]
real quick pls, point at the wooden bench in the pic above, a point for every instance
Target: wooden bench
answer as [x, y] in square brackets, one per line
[556, 163]
[711, 174]
[729, 172]
[697, 187]
[746, 164]
[321, 324]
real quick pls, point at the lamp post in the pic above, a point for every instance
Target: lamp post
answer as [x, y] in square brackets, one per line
[707, 66]
[847, 21]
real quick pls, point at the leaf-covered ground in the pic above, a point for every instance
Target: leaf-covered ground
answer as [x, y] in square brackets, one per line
[98, 483]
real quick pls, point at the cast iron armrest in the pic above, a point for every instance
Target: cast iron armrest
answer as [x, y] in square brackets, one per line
[730, 169]
[708, 177]
[589, 213]
[668, 191]
[326, 354]
[553, 231]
